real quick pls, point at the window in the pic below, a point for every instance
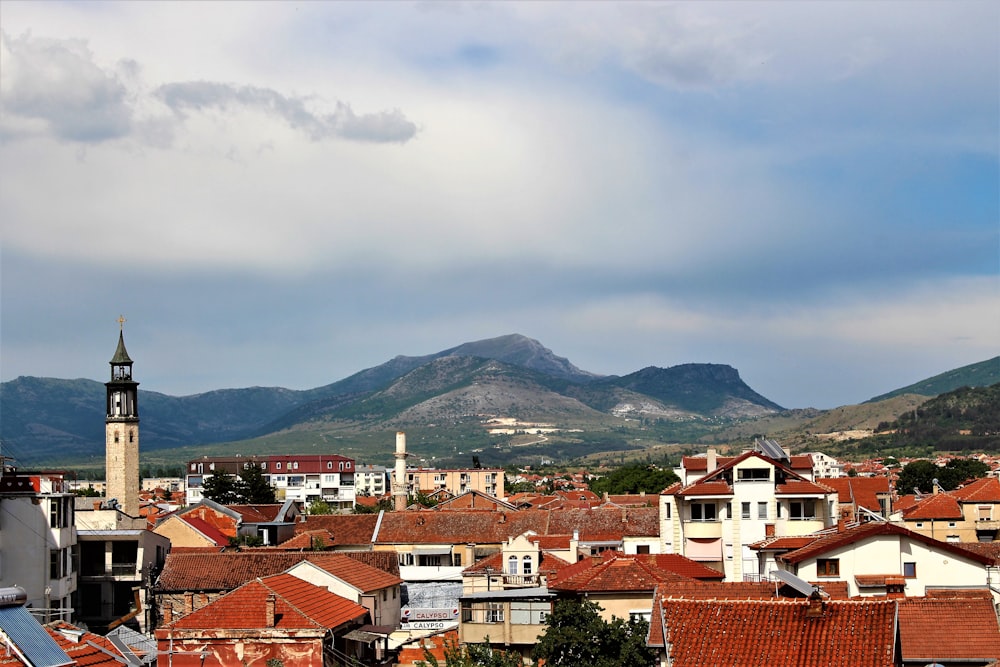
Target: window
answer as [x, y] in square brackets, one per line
[666, 508]
[745, 511]
[642, 549]
[920, 524]
[329, 465]
[802, 509]
[494, 612]
[753, 474]
[909, 570]
[526, 565]
[512, 565]
[827, 567]
[761, 510]
[277, 466]
[703, 511]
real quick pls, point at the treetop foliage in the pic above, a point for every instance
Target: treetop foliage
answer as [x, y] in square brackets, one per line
[634, 478]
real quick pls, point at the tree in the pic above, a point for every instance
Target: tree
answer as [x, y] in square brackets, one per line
[633, 479]
[220, 487]
[252, 486]
[319, 507]
[577, 635]
[471, 655]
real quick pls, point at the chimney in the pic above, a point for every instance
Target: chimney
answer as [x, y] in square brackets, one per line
[815, 608]
[97, 505]
[269, 610]
[188, 603]
[712, 460]
[841, 525]
[168, 613]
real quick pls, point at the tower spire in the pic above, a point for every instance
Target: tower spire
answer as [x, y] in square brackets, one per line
[121, 430]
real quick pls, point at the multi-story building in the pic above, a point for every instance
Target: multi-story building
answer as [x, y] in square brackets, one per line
[456, 481]
[301, 477]
[37, 541]
[371, 480]
[118, 558]
[715, 518]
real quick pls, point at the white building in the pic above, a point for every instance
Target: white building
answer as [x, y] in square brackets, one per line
[37, 539]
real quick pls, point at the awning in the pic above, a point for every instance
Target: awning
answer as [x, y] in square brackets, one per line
[440, 550]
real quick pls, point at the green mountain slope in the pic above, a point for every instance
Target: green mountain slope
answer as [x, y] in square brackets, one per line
[982, 374]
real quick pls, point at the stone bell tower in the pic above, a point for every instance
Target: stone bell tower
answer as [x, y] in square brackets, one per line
[121, 431]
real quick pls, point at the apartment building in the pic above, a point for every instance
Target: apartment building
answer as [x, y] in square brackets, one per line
[300, 477]
[724, 508]
[37, 541]
[456, 481]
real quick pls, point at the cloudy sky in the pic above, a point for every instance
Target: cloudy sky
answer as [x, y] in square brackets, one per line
[284, 194]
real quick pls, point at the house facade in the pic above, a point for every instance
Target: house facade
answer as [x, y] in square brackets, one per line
[305, 478]
[38, 539]
[716, 517]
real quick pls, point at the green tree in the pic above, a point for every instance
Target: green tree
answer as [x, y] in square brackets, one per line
[577, 635]
[319, 507]
[252, 487]
[917, 475]
[471, 655]
[959, 471]
[220, 487]
[634, 478]
[383, 505]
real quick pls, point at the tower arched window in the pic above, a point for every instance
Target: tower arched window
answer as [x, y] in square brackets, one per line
[512, 565]
[526, 565]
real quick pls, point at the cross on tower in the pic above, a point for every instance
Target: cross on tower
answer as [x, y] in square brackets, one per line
[121, 322]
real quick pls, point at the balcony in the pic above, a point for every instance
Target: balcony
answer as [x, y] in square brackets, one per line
[520, 580]
[703, 528]
[124, 570]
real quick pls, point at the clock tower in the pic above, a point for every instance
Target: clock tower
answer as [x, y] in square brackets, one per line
[121, 431]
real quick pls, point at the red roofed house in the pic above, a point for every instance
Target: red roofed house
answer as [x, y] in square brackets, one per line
[956, 630]
[862, 498]
[623, 585]
[716, 517]
[777, 633]
[879, 557]
[970, 513]
[277, 618]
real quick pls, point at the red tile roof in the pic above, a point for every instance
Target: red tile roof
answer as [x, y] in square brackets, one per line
[619, 572]
[710, 633]
[940, 506]
[860, 491]
[90, 651]
[985, 490]
[345, 529]
[299, 605]
[707, 488]
[310, 539]
[361, 576]
[257, 513]
[698, 463]
[948, 630]
[482, 527]
[210, 532]
[795, 487]
[209, 571]
[826, 542]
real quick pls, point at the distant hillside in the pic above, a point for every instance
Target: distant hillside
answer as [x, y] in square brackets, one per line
[982, 374]
[510, 376]
[965, 419]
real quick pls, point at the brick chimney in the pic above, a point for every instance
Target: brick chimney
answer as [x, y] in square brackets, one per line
[269, 610]
[188, 603]
[712, 459]
[168, 613]
[815, 608]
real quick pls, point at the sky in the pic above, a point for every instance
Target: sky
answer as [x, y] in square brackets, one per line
[283, 194]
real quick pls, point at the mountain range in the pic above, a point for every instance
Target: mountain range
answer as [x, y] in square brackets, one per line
[444, 395]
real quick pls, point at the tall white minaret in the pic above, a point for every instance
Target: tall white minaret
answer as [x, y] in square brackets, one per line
[399, 475]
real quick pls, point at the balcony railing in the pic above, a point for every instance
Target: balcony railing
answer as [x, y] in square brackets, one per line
[520, 580]
[123, 569]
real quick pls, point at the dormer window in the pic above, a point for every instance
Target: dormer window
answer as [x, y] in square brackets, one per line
[329, 465]
[753, 474]
[277, 466]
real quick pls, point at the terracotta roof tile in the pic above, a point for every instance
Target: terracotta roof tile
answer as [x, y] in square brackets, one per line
[860, 491]
[208, 571]
[948, 630]
[619, 572]
[939, 506]
[299, 605]
[985, 490]
[206, 529]
[795, 487]
[361, 576]
[345, 529]
[710, 633]
[707, 488]
[835, 540]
